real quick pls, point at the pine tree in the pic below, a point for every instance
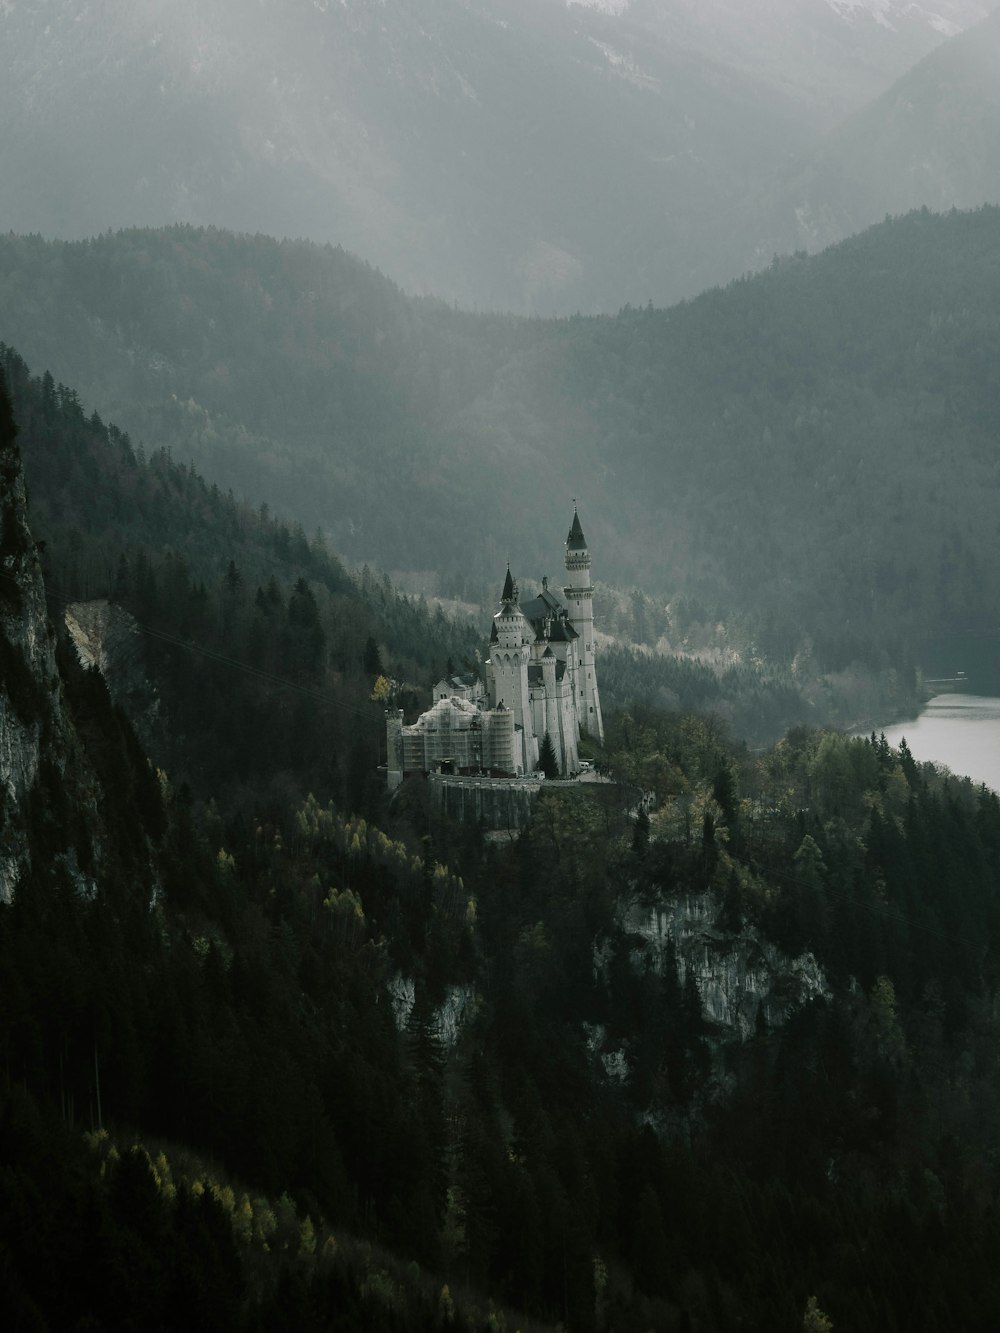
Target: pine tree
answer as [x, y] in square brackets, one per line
[371, 662]
[547, 760]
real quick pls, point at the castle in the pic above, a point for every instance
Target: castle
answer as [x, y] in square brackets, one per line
[540, 679]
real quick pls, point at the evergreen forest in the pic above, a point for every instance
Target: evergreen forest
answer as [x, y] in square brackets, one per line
[279, 1052]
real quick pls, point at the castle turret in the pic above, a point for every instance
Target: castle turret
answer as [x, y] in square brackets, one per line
[510, 651]
[580, 600]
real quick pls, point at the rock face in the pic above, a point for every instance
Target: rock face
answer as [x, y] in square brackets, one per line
[446, 1020]
[737, 974]
[29, 696]
[108, 638]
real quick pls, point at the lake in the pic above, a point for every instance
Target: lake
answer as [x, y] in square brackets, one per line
[960, 730]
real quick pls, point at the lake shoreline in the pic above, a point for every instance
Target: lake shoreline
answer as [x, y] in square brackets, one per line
[956, 730]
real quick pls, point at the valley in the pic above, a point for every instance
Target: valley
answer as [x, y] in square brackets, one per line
[415, 915]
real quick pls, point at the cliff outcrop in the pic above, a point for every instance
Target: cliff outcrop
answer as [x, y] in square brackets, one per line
[738, 974]
[108, 639]
[742, 980]
[80, 805]
[29, 693]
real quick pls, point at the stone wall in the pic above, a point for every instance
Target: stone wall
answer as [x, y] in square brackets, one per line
[497, 803]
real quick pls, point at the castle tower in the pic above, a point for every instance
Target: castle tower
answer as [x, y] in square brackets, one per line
[510, 651]
[551, 702]
[580, 600]
[501, 735]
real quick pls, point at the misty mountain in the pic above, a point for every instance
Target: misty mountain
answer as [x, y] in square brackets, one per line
[835, 55]
[809, 453]
[932, 139]
[512, 154]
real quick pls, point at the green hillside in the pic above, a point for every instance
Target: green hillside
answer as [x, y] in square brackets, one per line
[268, 1064]
[259, 649]
[808, 455]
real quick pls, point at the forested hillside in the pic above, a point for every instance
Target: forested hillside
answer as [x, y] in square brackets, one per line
[807, 456]
[260, 648]
[278, 1059]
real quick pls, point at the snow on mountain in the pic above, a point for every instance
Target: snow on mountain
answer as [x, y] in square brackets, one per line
[931, 140]
[947, 18]
[528, 154]
[606, 6]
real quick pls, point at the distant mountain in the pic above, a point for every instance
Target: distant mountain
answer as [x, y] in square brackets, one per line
[809, 454]
[835, 54]
[932, 139]
[507, 154]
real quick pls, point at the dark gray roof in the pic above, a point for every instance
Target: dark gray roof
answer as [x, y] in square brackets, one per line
[545, 604]
[465, 681]
[576, 541]
[562, 631]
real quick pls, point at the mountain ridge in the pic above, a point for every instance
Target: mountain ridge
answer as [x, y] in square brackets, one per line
[930, 140]
[781, 414]
[501, 153]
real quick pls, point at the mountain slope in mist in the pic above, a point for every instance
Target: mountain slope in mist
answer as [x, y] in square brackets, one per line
[932, 140]
[515, 154]
[812, 450]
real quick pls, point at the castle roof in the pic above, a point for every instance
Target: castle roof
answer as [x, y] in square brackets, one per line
[561, 631]
[576, 541]
[545, 604]
[457, 684]
[509, 593]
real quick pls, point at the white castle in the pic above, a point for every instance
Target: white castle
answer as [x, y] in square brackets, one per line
[541, 679]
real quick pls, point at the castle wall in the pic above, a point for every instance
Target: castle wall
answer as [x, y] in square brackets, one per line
[495, 803]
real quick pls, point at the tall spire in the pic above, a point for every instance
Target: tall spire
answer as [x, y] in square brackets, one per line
[576, 540]
[579, 592]
[509, 593]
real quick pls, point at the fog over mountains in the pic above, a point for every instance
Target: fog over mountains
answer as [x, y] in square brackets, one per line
[529, 155]
[315, 315]
[932, 139]
[810, 452]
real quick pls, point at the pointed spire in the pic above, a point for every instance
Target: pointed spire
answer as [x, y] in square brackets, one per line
[576, 540]
[509, 593]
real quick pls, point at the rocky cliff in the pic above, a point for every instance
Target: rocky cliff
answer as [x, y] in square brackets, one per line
[742, 980]
[80, 806]
[29, 696]
[738, 974]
